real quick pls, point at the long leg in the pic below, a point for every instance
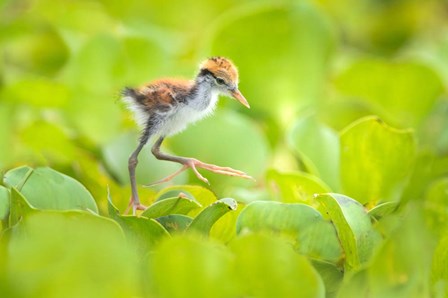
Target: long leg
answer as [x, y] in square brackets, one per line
[134, 202]
[193, 164]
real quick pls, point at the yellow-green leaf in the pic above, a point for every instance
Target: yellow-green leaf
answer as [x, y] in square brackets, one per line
[353, 226]
[376, 160]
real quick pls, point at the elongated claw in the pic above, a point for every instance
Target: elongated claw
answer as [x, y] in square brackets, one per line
[200, 177]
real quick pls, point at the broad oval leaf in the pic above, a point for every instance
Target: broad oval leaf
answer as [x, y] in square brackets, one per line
[376, 160]
[296, 187]
[355, 231]
[174, 223]
[400, 91]
[143, 232]
[202, 195]
[144, 58]
[331, 275]
[45, 188]
[46, 93]
[436, 207]
[224, 228]
[178, 205]
[20, 207]
[7, 133]
[401, 265]
[440, 261]
[99, 60]
[169, 193]
[204, 221]
[383, 209]
[196, 267]
[93, 247]
[38, 50]
[311, 234]
[266, 215]
[50, 142]
[269, 267]
[318, 146]
[300, 40]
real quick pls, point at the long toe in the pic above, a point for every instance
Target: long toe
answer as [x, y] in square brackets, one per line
[168, 178]
[233, 174]
[222, 170]
[192, 164]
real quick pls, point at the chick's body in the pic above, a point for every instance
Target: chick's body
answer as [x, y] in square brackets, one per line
[165, 107]
[174, 103]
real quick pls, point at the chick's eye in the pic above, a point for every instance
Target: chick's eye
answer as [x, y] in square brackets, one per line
[220, 81]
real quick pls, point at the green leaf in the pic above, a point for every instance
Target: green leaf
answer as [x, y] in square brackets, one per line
[178, 205]
[435, 206]
[72, 19]
[93, 247]
[88, 111]
[45, 188]
[439, 270]
[376, 160]
[355, 285]
[36, 49]
[45, 93]
[99, 60]
[4, 203]
[175, 222]
[201, 13]
[403, 92]
[383, 209]
[140, 65]
[331, 275]
[427, 167]
[296, 187]
[143, 232]
[262, 215]
[7, 112]
[196, 267]
[224, 229]
[400, 266]
[202, 195]
[299, 38]
[49, 142]
[204, 221]
[433, 133]
[319, 145]
[353, 226]
[19, 207]
[267, 267]
[169, 193]
[310, 233]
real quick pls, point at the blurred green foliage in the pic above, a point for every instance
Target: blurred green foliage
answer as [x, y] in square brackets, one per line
[347, 138]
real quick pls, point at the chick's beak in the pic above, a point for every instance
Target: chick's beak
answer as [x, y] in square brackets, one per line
[238, 96]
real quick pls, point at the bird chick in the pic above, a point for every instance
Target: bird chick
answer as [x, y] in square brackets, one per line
[167, 106]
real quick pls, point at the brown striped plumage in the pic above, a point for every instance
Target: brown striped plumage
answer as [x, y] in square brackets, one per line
[164, 91]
